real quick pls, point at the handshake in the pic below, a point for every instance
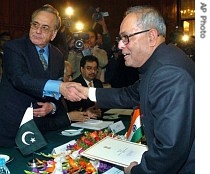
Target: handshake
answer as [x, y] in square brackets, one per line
[73, 91]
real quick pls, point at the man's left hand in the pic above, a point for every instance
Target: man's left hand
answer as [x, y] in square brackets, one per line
[127, 170]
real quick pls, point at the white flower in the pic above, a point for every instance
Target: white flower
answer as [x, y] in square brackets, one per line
[75, 155]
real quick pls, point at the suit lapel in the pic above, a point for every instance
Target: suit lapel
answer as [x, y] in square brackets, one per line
[32, 57]
[54, 63]
[82, 81]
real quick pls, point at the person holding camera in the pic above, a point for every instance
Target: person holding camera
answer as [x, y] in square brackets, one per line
[103, 36]
[74, 56]
[89, 48]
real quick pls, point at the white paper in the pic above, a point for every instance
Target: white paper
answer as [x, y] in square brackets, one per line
[116, 151]
[114, 170]
[93, 125]
[93, 121]
[72, 132]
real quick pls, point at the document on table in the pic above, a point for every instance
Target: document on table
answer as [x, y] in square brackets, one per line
[119, 111]
[93, 124]
[116, 151]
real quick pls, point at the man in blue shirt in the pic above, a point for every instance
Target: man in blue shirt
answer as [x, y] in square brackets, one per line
[26, 81]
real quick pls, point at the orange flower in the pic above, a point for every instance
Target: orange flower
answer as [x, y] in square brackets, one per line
[90, 168]
[77, 147]
[83, 163]
[94, 134]
[72, 163]
[51, 168]
[74, 170]
[83, 138]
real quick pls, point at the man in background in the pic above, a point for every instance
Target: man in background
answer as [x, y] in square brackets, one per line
[89, 70]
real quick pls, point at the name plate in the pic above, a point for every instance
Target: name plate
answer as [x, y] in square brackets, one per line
[117, 127]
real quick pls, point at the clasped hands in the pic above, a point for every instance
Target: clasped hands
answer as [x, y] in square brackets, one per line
[73, 91]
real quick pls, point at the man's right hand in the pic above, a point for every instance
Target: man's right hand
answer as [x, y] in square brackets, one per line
[73, 91]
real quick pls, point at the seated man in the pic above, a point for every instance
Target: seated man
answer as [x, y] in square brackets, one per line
[89, 69]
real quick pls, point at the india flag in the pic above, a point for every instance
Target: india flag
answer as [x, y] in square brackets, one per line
[135, 133]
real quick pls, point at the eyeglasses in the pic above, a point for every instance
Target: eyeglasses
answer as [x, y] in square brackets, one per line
[125, 38]
[89, 68]
[44, 28]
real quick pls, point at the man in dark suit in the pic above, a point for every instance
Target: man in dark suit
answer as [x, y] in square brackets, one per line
[165, 93]
[26, 79]
[88, 68]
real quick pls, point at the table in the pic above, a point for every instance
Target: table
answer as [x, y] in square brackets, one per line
[54, 139]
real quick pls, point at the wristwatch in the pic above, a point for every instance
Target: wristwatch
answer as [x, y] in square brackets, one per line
[54, 107]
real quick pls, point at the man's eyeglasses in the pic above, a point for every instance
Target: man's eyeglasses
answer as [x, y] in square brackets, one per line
[44, 28]
[89, 68]
[125, 38]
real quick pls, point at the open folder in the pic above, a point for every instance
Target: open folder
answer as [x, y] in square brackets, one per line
[116, 151]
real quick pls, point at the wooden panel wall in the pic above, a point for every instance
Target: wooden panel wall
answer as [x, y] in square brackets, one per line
[15, 14]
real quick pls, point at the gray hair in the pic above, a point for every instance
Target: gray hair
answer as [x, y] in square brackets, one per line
[147, 18]
[50, 9]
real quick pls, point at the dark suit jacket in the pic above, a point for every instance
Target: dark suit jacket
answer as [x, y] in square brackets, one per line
[83, 104]
[22, 83]
[166, 95]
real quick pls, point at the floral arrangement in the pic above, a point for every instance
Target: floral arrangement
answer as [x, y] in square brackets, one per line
[71, 161]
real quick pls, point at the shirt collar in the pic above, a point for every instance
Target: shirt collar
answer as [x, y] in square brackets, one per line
[88, 81]
[46, 49]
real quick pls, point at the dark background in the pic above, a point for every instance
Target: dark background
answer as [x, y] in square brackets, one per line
[15, 15]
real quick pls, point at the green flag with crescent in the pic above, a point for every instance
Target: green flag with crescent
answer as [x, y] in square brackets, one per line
[29, 139]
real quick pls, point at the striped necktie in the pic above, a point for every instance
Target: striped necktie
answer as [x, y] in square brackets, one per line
[90, 84]
[41, 56]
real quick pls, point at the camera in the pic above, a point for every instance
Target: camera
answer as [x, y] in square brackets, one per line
[80, 37]
[97, 15]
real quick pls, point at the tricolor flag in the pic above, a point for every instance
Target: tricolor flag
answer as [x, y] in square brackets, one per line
[135, 133]
[29, 139]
